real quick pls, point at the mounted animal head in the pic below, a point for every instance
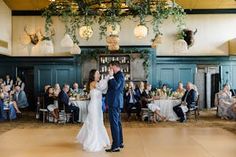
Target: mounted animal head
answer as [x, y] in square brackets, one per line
[189, 36]
[34, 37]
[38, 35]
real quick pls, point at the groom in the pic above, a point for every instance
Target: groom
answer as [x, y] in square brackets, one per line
[115, 103]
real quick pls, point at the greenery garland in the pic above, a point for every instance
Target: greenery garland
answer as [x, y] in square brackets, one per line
[112, 15]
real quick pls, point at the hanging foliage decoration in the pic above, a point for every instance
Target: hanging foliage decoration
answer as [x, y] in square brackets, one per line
[109, 14]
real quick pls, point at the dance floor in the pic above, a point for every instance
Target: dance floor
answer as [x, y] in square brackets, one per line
[139, 142]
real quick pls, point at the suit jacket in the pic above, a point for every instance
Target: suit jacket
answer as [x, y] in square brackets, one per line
[21, 101]
[115, 91]
[63, 99]
[138, 94]
[190, 97]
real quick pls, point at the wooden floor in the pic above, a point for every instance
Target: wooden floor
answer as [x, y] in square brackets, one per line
[139, 142]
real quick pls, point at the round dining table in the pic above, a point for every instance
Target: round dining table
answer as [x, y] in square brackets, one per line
[166, 108]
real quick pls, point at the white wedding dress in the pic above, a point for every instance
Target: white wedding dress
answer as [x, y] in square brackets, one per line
[93, 135]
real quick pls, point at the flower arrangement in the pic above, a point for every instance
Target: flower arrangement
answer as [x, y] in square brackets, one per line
[164, 92]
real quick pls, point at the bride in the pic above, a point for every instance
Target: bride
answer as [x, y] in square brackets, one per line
[93, 135]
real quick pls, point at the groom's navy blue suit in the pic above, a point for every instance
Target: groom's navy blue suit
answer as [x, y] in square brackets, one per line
[115, 103]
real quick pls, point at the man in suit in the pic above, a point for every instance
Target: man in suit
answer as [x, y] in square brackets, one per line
[63, 99]
[133, 100]
[187, 100]
[20, 97]
[115, 102]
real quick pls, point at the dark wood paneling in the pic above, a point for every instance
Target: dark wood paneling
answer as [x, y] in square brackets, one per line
[44, 76]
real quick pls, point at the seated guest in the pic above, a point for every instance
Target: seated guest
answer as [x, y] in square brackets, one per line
[49, 99]
[57, 89]
[179, 91]
[63, 99]
[146, 100]
[75, 88]
[132, 101]
[20, 97]
[140, 89]
[187, 100]
[146, 95]
[163, 91]
[225, 101]
[11, 105]
[156, 111]
[8, 82]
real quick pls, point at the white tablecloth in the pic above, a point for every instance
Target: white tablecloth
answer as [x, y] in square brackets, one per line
[83, 109]
[166, 107]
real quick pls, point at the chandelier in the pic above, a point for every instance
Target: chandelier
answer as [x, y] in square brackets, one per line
[81, 15]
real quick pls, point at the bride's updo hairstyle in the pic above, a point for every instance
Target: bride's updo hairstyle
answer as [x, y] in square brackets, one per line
[91, 79]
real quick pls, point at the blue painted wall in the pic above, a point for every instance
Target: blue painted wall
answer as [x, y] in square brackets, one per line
[171, 74]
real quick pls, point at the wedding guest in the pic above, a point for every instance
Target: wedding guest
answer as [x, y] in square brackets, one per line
[20, 98]
[20, 83]
[75, 88]
[187, 100]
[140, 89]
[57, 89]
[225, 101]
[146, 96]
[163, 91]
[156, 112]
[8, 82]
[49, 99]
[8, 103]
[63, 99]
[179, 91]
[132, 101]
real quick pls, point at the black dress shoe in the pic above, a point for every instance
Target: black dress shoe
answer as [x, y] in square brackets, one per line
[113, 150]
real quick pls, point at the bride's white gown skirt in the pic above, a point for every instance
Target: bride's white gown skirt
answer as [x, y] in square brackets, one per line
[93, 135]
